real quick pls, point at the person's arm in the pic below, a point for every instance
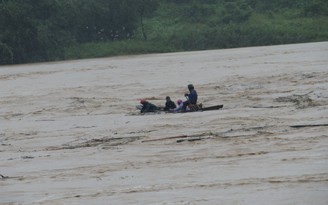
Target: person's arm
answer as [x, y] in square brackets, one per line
[143, 109]
[173, 105]
[166, 108]
[193, 97]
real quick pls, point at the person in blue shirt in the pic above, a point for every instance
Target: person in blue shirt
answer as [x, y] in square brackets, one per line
[191, 97]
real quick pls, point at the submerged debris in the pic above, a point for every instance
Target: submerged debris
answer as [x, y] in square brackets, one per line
[3, 177]
[106, 141]
[300, 101]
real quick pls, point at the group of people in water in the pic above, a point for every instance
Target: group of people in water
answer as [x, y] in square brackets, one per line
[182, 106]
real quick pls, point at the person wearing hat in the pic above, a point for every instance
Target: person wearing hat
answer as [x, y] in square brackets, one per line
[191, 97]
[180, 107]
[169, 104]
[147, 106]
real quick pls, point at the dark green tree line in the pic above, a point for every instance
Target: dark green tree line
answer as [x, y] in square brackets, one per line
[39, 30]
[45, 30]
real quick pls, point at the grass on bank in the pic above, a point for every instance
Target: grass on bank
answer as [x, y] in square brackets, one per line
[116, 48]
[171, 30]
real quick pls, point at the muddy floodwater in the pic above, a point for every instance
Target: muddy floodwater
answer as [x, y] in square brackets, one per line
[70, 132]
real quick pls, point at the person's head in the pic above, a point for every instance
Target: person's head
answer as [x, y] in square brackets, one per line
[143, 101]
[190, 86]
[179, 102]
[168, 98]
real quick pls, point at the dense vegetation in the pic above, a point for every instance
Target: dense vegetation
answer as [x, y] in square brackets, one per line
[47, 30]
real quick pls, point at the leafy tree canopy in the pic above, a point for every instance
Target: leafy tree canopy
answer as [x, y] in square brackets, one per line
[43, 30]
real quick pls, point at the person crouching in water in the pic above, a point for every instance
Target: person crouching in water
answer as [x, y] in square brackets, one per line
[192, 99]
[169, 104]
[147, 106]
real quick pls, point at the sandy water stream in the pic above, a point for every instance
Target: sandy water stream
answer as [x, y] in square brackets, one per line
[70, 133]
